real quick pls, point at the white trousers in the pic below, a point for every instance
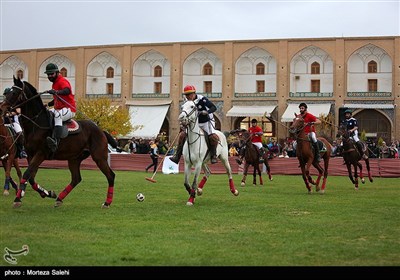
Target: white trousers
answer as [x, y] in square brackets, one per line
[208, 126]
[16, 125]
[312, 136]
[258, 144]
[61, 115]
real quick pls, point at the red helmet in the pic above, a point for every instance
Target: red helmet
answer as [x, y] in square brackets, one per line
[189, 89]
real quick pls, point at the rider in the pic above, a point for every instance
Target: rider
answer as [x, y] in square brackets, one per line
[352, 127]
[206, 122]
[63, 102]
[256, 132]
[309, 129]
[14, 115]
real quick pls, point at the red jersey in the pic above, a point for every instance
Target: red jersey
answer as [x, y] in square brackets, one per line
[253, 130]
[63, 101]
[307, 119]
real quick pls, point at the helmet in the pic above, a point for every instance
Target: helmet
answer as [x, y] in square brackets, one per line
[253, 121]
[189, 89]
[303, 105]
[51, 68]
[348, 111]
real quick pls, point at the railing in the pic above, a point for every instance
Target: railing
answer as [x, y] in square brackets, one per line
[254, 94]
[111, 96]
[208, 94]
[311, 94]
[363, 94]
[150, 95]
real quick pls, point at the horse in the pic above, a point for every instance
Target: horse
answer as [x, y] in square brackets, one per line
[196, 154]
[305, 155]
[8, 156]
[251, 157]
[352, 157]
[86, 139]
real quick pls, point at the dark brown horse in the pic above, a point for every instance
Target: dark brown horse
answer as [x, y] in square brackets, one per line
[36, 121]
[251, 156]
[8, 156]
[352, 157]
[305, 155]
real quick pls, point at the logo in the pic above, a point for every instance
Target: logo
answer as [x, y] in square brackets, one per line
[9, 255]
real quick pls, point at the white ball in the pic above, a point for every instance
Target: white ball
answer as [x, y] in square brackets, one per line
[140, 197]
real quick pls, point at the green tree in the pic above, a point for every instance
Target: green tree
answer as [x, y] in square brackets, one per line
[111, 118]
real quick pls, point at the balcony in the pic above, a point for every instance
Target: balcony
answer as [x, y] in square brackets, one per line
[255, 94]
[364, 94]
[150, 95]
[310, 94]
[111, 96]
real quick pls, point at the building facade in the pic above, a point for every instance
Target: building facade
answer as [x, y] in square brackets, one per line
[245, 79]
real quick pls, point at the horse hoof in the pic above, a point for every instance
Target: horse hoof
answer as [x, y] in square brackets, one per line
[105, 206]
[236, 193]
[6, 193]
[52, 194]
[356, 188]
[189, 203]
[321, 191]
[363, 181]
[310, 192]
[58, 203]
[271, 179]
[199, 192]
[242, 184]
[17, 204]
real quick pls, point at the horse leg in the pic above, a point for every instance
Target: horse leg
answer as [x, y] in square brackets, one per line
[361, 173]
[102, 163]
[255, 171]
[245, 170]
[355, 175]
[228, 169]
[348, 165]
[260, 176]
[203, 181]
[267, 167]
[326, 165]
[192, 196]
[305, 176]
[188, 171]
[320, 174]
[369, 171]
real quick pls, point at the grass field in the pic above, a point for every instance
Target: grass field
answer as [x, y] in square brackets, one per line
[277, 224]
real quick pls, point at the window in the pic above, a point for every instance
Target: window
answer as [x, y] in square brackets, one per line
[315, 86]
[207, 69]
[372, 67]
[110, 88]
[157, 87]
[157, 71]
[260, 86]
[260, 69]
[315, 68]
[208, 87]
[110, 72]
[64, 72]
[372, 85]
[20, 74]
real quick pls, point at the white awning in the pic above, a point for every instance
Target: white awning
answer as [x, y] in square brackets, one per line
[369, 106]
[147, 120]
[250, 111]
[315, 109]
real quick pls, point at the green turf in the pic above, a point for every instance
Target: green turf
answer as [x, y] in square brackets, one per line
[277, 224]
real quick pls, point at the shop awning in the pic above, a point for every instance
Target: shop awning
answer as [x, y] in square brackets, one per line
[147, 119]
[369, 106]
[315, 109]
[250, 111]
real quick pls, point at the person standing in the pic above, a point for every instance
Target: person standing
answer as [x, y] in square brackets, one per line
[63, 102]
[153, 155]
[205, 110]
[352, 127]
[310, 120]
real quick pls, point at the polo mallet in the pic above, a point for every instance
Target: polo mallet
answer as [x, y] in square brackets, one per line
[161, 162]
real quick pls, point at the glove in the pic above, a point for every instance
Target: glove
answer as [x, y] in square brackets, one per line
[310, 123]
[52, 91]
[204, 112]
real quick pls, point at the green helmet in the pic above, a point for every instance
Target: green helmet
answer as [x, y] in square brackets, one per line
[51, 68]
[348, 111]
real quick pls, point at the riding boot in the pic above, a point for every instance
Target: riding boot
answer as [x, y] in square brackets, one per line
[53, 141]
[20, 146]
[213, 139]
[316, 151]
[181, 141]
[360, 150]
[261, 153]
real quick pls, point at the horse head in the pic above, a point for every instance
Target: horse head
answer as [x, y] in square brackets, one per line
[188, 113]
[343, 132]
[297, 125]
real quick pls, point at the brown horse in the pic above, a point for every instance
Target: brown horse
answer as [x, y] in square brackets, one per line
[352, 157]
[88, 140]
[8, 156]
[305, 155]
[251, 156]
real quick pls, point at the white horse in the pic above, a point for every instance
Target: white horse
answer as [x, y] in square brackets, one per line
[196, 154]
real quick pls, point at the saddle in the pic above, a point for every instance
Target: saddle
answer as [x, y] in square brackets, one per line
[69, 127]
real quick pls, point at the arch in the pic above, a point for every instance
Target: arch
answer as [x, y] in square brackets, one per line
[372, 67]
[374, 121]
[9, 68]
[207, 69]
[158, 71]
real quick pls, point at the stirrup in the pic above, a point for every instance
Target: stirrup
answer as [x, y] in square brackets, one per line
[214, 160]
[52, 144]
[238, 161]
[23, 154]
[365, 156]
[261, 160]
[174, 159]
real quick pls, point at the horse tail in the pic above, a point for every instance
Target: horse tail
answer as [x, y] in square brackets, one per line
[111, 140]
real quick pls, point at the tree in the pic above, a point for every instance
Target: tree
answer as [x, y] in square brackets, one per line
[326, 129]
[111, 118]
